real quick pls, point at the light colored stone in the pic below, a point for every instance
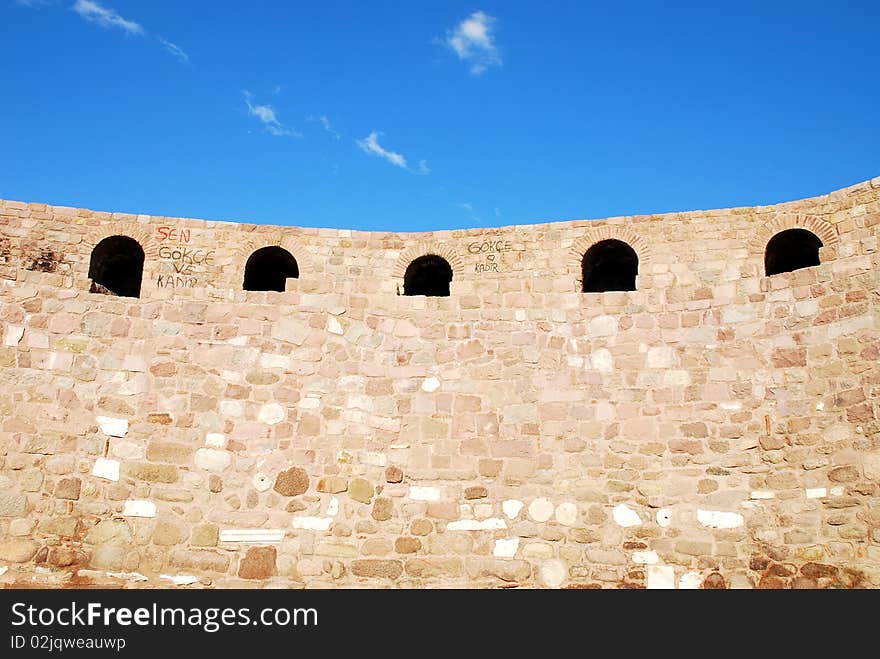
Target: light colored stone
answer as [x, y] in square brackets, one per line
[312, 523]
[212, 459]
[261, 481]
[664, 517]
[12, 504]
[271, 413]
[251, 535]
[505, 547]
[13, 335]
[106, 469]
[417, 493]
[762, 494]
[602, 361]
[112, 426]
[690, 581]
[567, 513]
[490, 524]
[512, 507]
[602, 326]
[541, 509]
[430, 385]
[334, 326]
[180, 579]
[816, 492]
[661, 577]
[139, 508]
[625, 516]
[553, 573]
[645, 557]
[216, 440]
[718, 519]
[374, 458]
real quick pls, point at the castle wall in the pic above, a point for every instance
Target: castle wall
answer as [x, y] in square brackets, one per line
[713, 427]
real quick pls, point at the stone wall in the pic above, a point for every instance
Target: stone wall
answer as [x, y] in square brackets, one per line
[713, 428]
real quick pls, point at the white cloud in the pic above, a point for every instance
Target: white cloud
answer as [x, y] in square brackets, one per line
[325, 122]
[266, 114]
[370, 144]
[105, 17]
[467, 206]
[33, 3]
[174, 49]
[473, 41]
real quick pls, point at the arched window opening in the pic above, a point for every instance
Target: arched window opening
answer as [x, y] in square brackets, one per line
[791, 250]
[117, 267]
[428, 275]
[268, 268]
[610, 265]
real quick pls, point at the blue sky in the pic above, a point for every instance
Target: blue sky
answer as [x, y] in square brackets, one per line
[415, 116]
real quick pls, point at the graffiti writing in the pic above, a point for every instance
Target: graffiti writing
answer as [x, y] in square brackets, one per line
[171, 281]
[489, 250]
[172, 234]
[184, 258]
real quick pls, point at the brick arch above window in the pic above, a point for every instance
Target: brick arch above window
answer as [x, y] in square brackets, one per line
[413, 252]
[250, 243]
[597, 235]
[826, 231]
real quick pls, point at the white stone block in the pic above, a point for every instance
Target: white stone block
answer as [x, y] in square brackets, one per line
[180, 579]
[690, 581]
[128, 576]
[553, 573]
[417, 493]
[602, 326]
[661, 577]
[763, 494]
[430, 385]
[251, 535]
[231, 408]
[333, 507]
[664, 517]
[13, 335]
[216, 440]
[506, 548]
[602, 361]
[816, 492]
[108, 469]
[213, 459]
[491, 524]
[511, 507]
[261, 481]
[374, 458]
[334, 326]
[271, 413]
[112, 426]
[717, 519]
[645, 557]
[567, 513]
[626, 516]
[134, 508]
[312, 523]
[837, 491]
[660, 357]
[541, 509]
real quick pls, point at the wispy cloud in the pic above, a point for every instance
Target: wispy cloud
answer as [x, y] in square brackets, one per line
[266, 115]
[473, 41]
[105, 17]
[370, 144]
[174, 49]
[325, 122]
[467, 206]
[33, 3]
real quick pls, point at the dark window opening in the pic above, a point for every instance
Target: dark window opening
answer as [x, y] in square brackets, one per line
[791, 250]
[117, 267]
[268, 268]
[428, 275]
[610, 265]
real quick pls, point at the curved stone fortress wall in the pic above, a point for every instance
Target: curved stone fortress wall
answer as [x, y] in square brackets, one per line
[714, 427]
